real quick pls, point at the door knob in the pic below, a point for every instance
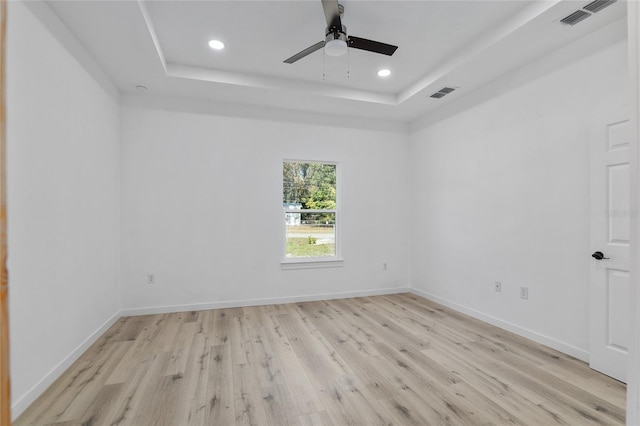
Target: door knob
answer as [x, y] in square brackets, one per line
[598, 255]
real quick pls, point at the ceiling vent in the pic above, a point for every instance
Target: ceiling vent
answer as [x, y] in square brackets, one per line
[442, 92]
[598, 5]
[582, 14]
[575, 17]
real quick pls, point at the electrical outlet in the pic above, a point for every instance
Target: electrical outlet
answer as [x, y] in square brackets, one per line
[498, 286]
[151, 279]
[385, 266]
[524, 293]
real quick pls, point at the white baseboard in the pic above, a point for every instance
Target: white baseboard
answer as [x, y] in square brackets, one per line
[259, 302]
[563, 347]
[32, 394]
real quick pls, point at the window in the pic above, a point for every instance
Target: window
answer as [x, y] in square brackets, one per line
[309, 200]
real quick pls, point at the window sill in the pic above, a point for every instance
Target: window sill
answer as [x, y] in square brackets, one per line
[311, 263]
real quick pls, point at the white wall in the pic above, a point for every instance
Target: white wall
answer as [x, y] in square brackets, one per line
[497, 190]
[63, 208]
[502, 194]
[202, 207]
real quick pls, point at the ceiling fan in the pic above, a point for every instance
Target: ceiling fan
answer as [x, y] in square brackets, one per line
[337, 41]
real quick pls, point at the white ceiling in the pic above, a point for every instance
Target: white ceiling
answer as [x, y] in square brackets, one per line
[163, 45]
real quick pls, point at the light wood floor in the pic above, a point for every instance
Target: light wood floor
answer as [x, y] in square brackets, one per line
[382, 360]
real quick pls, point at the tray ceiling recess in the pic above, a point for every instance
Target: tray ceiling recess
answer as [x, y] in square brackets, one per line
[424, 58]
[164, 46]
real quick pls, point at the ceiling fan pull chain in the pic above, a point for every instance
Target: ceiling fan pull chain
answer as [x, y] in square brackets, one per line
[324, 68]
[348, 65]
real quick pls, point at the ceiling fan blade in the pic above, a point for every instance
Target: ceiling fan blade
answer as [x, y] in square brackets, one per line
[332, 14]
[309, 50]
[372, 46]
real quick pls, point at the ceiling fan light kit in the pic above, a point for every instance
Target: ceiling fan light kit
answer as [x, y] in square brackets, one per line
[335, 42]
[335, 47]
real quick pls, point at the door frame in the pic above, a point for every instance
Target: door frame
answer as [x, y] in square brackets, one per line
[5, 389]
[633, 378]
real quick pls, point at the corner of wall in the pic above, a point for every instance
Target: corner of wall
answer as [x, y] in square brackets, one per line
[52, 23]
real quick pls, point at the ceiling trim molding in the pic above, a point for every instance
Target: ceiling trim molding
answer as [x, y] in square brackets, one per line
[481, 44]
[251, 80]
[152, 33]
[71, 44]
[252, 112]
[605, 37]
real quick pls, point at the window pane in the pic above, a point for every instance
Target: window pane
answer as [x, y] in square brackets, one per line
[311, 234]
[309, 186]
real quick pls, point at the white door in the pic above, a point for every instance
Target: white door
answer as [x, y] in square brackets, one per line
[610, 231]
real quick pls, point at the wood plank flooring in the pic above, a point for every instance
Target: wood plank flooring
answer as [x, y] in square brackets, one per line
[384, 360]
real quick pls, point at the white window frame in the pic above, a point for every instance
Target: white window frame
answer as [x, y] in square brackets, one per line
[314, 262]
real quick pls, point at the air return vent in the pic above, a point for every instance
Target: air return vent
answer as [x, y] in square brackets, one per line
[598, 5]
[442, 92]
[575, 17]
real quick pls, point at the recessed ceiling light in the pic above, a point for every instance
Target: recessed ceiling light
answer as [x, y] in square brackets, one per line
[384, 73]
[216, 44]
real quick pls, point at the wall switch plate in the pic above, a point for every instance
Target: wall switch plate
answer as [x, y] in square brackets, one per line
[498, 286]
[151, 279]
[524, 292]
